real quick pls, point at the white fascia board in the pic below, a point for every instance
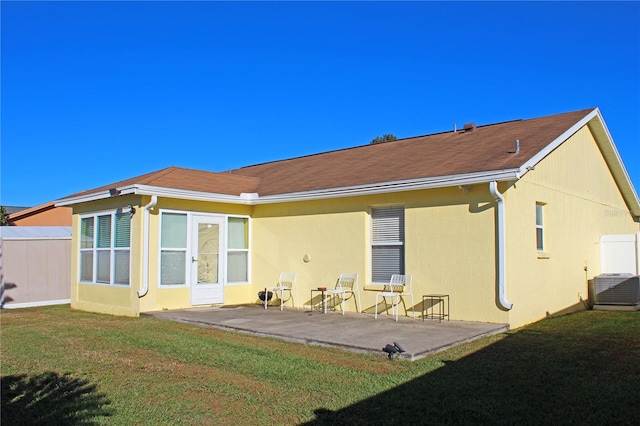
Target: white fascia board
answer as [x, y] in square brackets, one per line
[618, 169]
[83, 198]
[395, 186]
[155, 190]
[182, 194]
[349, 191]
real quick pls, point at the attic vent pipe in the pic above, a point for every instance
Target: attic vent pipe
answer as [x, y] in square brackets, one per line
[517, 146]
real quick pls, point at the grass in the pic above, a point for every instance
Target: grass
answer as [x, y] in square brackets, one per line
[61, 366]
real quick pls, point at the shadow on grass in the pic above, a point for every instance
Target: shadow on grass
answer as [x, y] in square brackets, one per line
[50, 399]
[538, 375]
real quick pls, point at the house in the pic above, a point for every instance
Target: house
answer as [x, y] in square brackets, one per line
[504, 218]
[47, 214]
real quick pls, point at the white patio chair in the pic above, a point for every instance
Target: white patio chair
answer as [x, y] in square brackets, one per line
[399, 287]
[287, 282]
[347, 287]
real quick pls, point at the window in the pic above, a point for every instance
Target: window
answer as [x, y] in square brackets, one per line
[173, 249]
[105, 248]
[238, 250]
[387, 243]
[540, 246]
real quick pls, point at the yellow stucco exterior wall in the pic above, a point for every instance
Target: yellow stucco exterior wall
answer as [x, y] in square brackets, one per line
[449, 246]
[109, 299]
[450, 243]
[581, 202]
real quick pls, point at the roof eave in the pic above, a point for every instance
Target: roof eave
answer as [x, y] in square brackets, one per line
[256, 199]
[185, 194]
[394, 186]
[136, 189]
[101, 195]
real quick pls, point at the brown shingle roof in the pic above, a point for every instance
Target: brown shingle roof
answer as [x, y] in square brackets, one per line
[486, 148]
[188, 180]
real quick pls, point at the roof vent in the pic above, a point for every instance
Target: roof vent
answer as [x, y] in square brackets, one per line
[469, 127]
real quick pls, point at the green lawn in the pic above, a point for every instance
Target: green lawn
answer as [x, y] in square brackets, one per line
[67, 367]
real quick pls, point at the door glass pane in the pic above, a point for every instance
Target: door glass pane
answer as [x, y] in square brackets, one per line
[208, 243]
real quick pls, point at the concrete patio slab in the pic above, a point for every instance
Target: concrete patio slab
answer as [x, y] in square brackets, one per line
[358, 332]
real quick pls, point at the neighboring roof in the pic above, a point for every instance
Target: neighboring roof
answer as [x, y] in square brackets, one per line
[479, 154]
[13, 209]
[34, 232]
[26, 211]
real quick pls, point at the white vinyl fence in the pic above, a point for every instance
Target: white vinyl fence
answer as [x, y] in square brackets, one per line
[35, 266]
[620, 254]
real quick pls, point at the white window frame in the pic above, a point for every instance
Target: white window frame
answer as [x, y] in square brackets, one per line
[246, 250]
[379, 238]
[112, 249]
[188, 251]
[541, 238]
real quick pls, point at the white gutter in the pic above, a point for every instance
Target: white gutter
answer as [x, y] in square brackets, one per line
[83, 198]
[252, 199]
[502, 252]
[145, 247]
[394, 186]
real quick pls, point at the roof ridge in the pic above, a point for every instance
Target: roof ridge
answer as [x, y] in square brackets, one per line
[237, 171]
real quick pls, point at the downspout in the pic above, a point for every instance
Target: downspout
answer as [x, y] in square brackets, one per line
[145, 247]
[502, 252]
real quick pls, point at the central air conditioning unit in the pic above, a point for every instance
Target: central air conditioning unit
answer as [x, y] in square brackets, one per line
[617, 289]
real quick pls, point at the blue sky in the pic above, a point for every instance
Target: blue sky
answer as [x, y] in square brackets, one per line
[96, 92]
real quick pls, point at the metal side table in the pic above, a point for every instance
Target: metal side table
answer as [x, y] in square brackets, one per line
[436, 299]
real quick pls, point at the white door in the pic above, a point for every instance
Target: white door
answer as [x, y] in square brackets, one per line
[207, 260]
